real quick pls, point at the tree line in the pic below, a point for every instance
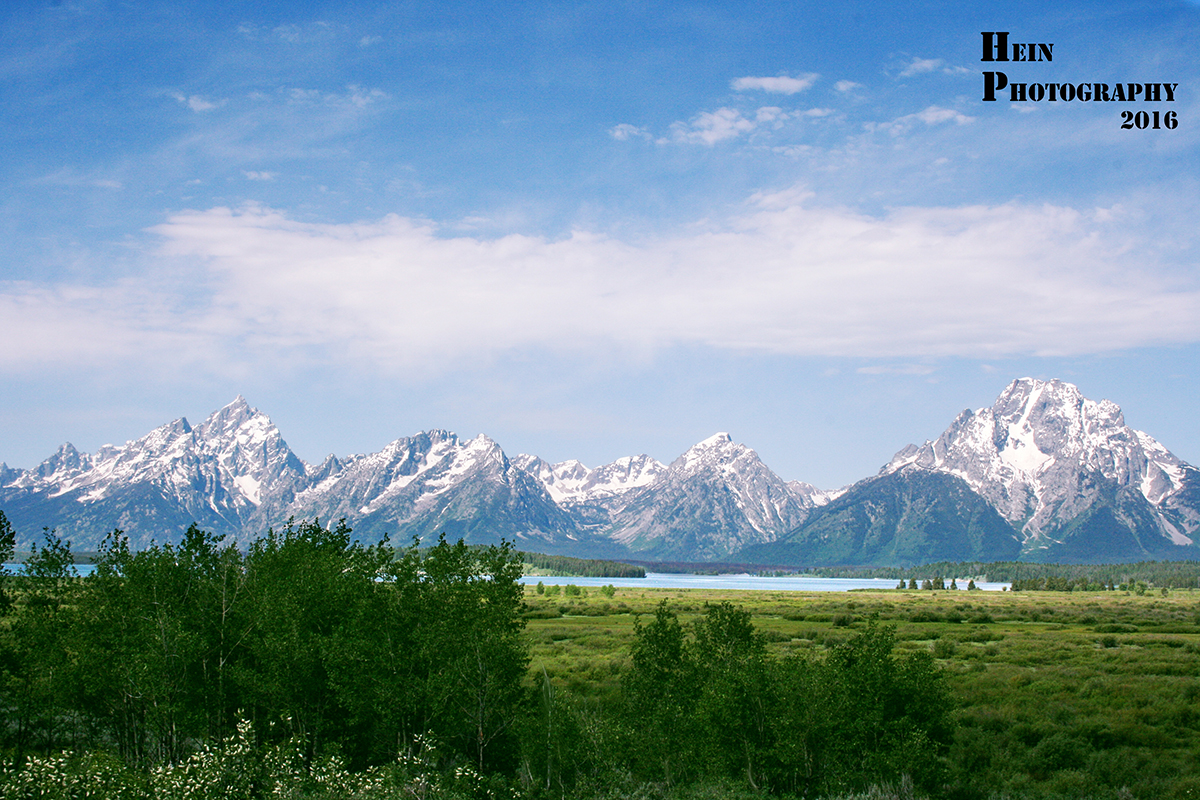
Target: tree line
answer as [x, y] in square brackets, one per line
[582, 567]
[1159, 574]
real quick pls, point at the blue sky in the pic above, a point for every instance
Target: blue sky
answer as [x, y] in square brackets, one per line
[589, 230]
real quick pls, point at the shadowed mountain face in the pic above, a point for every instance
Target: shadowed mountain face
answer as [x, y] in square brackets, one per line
[1044, 474]
[901, 518]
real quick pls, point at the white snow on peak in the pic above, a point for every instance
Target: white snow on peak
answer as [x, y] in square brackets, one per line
[1027, 453]
[573, 482]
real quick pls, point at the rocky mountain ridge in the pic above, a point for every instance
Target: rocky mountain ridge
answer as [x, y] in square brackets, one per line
[1044, 473]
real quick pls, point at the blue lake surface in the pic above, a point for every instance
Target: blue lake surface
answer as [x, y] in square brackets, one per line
[665, 580]
[659, 580]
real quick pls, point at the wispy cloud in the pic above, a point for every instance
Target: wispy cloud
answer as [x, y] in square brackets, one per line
[710, 127]
[933, 115]
[624, 132]
[781, 84]
[923, 66]
[197, 103]
[920, 66]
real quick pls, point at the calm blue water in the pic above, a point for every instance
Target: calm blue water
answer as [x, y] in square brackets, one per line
[80, 569]
[660, 580]
[655, 580]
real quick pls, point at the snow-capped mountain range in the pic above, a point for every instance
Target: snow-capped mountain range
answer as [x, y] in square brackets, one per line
[1044, 474]
[234, 474]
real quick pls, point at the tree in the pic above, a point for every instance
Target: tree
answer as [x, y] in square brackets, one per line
[729, 660]
[8, 544]
[473, 656]
[861, 715]
[39, 670]
[660, 691]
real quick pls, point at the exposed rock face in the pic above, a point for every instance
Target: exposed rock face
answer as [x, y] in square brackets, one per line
[707, 504]
[1048, 459]
[433, 482]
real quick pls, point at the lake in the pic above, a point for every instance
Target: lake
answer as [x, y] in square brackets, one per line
[671, 580]
[797, 583]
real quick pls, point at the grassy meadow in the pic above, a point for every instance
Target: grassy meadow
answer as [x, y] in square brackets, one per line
[1055, 694]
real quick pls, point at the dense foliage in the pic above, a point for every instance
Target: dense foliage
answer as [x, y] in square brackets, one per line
[706, 702]
[307, 635]
[311, 665]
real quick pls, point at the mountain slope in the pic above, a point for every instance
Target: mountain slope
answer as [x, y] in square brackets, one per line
[216, 474]
[905, 517]
[1049, 459]
[1043, 474]
[709, 503]
[432, 483]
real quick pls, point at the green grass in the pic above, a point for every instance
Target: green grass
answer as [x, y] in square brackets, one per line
[1057, 694]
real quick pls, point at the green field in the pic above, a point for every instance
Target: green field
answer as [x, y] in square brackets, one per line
[1054, 694]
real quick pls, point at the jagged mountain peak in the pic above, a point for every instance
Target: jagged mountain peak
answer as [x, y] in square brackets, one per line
[571, 482]
[66, 460]
[230, 416]
[1043, 455]
[718, 448]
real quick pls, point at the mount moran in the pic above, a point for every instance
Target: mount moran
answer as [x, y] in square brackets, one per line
[1043, 475]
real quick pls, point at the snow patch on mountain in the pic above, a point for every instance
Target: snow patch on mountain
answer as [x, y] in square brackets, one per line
[1037, 452]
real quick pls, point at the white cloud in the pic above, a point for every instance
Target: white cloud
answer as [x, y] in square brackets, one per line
[923, 66]
[624, 132]
[933, 115]
[356, 96]
[256, 175]
[197, 103]
[845, 86]
[920, 66]
[781, 84]
[784, 276]
[710, 127]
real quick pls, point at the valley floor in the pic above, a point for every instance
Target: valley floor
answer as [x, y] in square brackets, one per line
[1056, 694]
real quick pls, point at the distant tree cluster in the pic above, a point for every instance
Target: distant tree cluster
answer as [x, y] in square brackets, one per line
[1160, 574]
[582, 567]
